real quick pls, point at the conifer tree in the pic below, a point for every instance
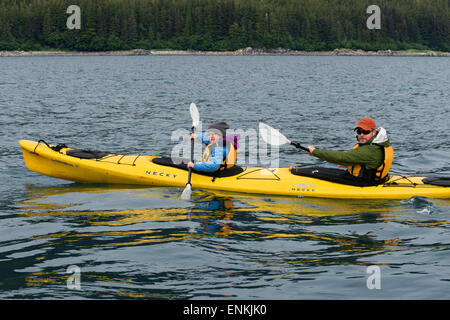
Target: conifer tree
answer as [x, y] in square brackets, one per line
[224, 24]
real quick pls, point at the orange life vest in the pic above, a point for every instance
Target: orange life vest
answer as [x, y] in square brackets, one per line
[230, 158]
[382, 171]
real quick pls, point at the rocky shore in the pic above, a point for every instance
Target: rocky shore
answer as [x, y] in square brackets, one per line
[245, 51]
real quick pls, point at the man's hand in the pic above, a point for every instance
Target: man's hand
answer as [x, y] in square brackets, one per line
[311, 149]
[190, 165]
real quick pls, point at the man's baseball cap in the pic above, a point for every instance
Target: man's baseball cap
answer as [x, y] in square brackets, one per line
[366, 124]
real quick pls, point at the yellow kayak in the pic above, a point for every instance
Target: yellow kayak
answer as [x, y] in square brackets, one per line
[98, 167]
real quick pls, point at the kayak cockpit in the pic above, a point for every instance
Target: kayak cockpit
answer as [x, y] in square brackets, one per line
[180, 163]
[333, 175]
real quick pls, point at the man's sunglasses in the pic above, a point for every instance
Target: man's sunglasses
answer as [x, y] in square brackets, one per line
[361, 131]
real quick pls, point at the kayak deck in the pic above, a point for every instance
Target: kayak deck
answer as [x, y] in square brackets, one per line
[141, 170]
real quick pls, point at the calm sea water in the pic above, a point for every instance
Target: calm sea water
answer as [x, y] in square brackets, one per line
[134, 243]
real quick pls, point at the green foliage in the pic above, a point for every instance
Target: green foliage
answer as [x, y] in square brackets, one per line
[224, 25]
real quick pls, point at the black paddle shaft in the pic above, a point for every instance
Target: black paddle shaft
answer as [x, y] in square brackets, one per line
[298, 146]
[192, 157]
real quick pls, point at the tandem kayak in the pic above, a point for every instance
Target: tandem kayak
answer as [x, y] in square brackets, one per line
[87, 166]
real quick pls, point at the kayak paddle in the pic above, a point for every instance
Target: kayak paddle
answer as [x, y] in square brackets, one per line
[186, 195]
[276, 138]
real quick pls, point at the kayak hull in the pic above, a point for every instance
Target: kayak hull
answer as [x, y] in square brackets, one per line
[140, 170]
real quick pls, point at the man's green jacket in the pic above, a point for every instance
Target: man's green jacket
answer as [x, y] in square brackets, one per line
[369, 155]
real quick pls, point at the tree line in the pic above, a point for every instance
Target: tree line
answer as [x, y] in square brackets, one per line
[221, 25]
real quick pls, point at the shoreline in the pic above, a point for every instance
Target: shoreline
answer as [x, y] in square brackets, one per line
[240, 52]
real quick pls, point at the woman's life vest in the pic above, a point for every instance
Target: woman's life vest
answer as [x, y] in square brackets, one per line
[380, 173]
[230, 158]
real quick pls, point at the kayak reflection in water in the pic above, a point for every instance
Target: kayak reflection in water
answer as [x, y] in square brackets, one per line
[370, 160]
[213, 216]
[220, 152]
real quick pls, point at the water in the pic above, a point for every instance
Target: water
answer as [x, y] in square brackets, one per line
[134, 243]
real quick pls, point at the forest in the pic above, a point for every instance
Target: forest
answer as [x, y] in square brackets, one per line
[224, 25]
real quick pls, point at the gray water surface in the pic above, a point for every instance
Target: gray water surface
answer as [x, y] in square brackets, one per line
[133, 243]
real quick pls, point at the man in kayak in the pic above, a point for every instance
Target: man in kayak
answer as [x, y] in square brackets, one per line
[369, 160]
[220, 152]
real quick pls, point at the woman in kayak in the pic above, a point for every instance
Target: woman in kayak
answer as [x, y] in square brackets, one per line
[220, 152]
[369, 160]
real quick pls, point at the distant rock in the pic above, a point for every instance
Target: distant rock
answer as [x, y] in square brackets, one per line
[248, 50]
[344, 52]
[140, 52]
[243, 51]
[262, 51]
[388, 52]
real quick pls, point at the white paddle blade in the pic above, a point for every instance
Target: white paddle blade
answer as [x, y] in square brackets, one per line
[186, 195]
[194, 115]
[272, 136]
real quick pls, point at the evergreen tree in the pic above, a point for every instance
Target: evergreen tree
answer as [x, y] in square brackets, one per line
[224, 24]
